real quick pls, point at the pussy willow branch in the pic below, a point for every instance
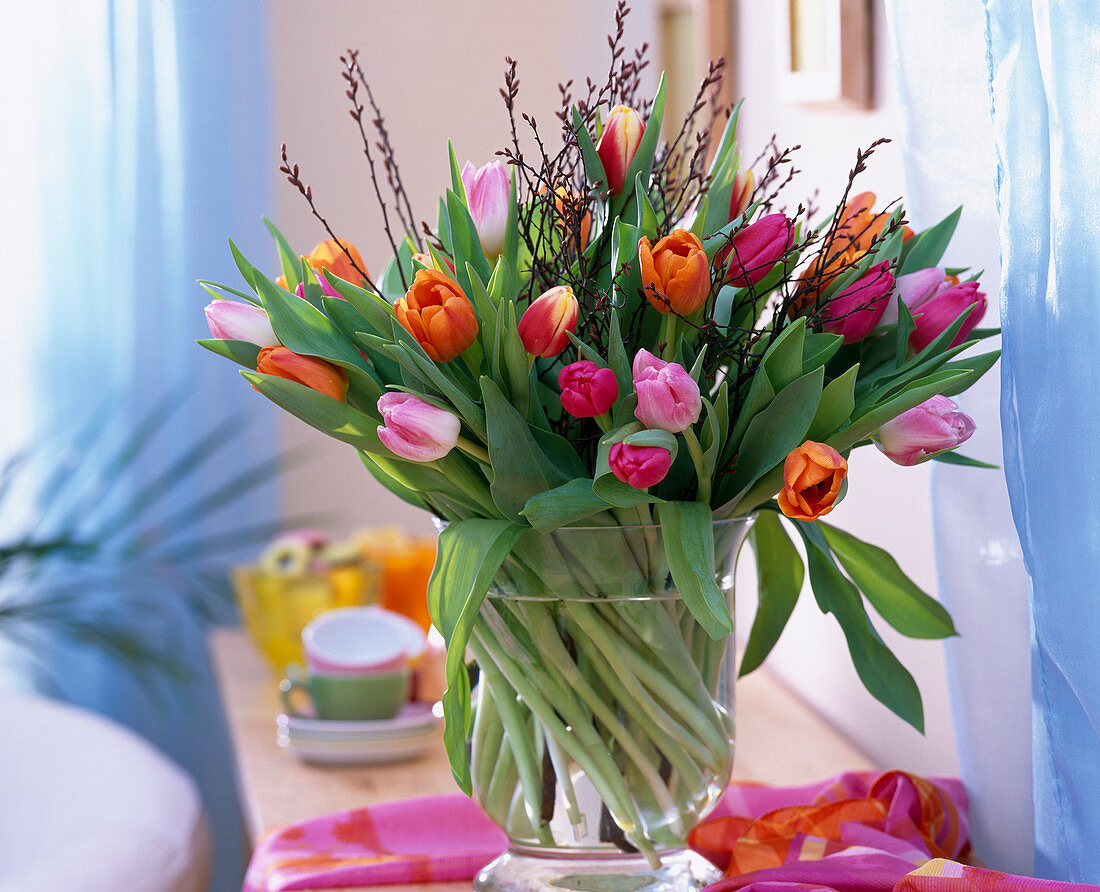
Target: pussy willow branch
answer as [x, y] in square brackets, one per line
[351, 66]
[291, 171]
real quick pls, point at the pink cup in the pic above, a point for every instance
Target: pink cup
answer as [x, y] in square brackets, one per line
[360, 641]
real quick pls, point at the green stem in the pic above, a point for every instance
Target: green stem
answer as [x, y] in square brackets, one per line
[580, 740]
[671, 737]
[669, 335]
[549, 638]
[519, 740]
[473, 450]
[696, 451]
[687, 699]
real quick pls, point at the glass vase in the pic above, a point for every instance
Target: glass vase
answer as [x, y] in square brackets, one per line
[603, 729]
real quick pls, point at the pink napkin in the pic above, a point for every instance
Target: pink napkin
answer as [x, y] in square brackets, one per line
[433, 838]
[851, 833]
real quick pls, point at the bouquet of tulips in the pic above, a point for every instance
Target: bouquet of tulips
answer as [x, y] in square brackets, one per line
[618, 331]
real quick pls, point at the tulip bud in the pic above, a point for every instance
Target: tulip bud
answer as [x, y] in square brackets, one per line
[675, 272]
[324, 377]
[414, 429]
[337, 258]
[619, 144]
[572, 216]
[586, 389]
[756, 249]
[938, 312]
[235, 321]
[856, 310]
[325, 287]
[924, 431]
[913, 289]
[640, 466]
[545, 326]
[438, 314]
[487, 193]
[812, 476]
[668, 397]
[744, 184]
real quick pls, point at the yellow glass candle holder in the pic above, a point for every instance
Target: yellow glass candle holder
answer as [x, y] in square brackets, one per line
[275, 607]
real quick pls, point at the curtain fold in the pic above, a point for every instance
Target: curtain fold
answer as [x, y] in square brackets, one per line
[1044, 82]
[153, 144]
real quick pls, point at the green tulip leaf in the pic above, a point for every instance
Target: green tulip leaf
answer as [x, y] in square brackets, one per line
[894, 595]
[241, 352]
[468, 557]
[779, 574]
[926, 249]
[880, 671]
[687, 529]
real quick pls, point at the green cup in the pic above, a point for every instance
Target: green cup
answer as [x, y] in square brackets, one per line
[348, 697]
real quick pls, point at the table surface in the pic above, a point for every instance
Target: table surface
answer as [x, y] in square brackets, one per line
[780, 740]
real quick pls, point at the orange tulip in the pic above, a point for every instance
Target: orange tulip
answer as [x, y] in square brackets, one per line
[568, 206]
[812, 475]
[545, 325]
[328, 256]
[438, 314]
[322, 376]
[675, 272]
[858, 230]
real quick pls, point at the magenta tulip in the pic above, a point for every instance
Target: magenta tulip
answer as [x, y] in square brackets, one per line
[414, 429]
[855, 311]
[487, 193]
[325, 287]
[933, 427]
[586, 389]
[640, 466]
[755, 250]
[913, 289]
[668, 397]
[234, 321]
[938, 312]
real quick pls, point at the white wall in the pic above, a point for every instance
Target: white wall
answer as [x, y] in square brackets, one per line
[435, 69]
[885, 504]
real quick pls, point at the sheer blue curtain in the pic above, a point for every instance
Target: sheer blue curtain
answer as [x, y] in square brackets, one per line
[154, 143]
[948, 148]
[1044, 79]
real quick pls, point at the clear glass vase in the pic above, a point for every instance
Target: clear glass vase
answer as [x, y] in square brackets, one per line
[603, 729]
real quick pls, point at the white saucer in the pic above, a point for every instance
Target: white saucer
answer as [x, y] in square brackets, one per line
[333, 752]
[413, 719]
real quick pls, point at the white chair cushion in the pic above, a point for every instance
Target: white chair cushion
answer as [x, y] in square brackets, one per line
[88, 805]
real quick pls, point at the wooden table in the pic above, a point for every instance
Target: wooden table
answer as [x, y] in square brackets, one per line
[780, 741]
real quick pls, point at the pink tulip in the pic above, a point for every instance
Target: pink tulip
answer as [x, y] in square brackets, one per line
[487, 194]
[756, 249]
[325, 287]
[856, 310]
[618, 145]
[640, 466]
[414, 429]
[668, 397]
[938, 312]
[586, 389]
[926, 430]
[545, 326]
[913, 289]
[234, 321]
